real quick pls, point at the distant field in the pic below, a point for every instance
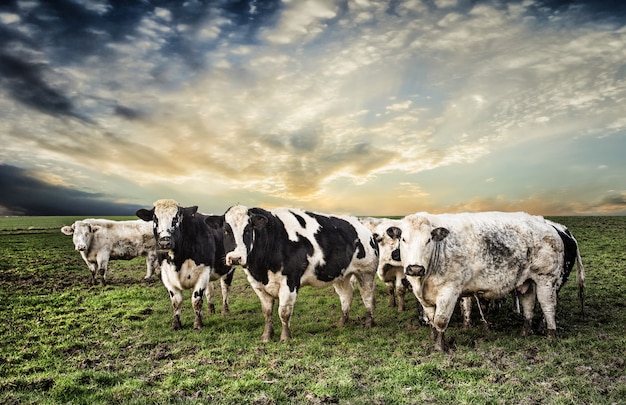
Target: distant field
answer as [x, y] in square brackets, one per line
[66, 341]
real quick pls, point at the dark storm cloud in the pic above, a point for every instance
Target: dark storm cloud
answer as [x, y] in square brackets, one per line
[23, 194]
[24, 82]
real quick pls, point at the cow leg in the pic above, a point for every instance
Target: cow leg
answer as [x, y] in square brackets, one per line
[267, 306]
[443, 311]
[546, 295]
[345, 290]
[367, 281]
[93, 269]
[391, 293]
[400, 292]
[150, 264]
[210, 297]
[286, 302]
[103, 263]
[177, 302]
[466, 311]
[225, 292]
[527, 300]
[197, 304]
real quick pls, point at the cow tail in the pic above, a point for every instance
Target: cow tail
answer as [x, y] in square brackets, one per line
[580, 279]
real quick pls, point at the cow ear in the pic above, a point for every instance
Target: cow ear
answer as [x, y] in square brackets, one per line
[68, 230]
[439, 234]
[215, 221]
[394, 232]
[190, 210]
[258, 221]
[145, 214]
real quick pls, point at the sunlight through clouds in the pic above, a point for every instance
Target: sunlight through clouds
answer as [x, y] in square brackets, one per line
[282, 102]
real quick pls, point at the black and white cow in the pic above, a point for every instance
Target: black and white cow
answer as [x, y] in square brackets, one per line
[390, 270]
[101, 240]
[284, 249]
[486, 255]
[191, 255]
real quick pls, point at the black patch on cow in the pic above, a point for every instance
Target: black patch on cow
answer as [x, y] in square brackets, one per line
[496, 245]
[569, 254]
[338, 240]
[374, 245]
[502, 249]
[301, 220]
[269, 246]
[395, 255]
[199, 293]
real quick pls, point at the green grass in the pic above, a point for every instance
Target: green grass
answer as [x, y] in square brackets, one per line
[66, 341]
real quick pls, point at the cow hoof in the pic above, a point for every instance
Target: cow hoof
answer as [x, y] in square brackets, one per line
[369, 323]
[551, 333]
[527, 329]
[176, 324]
[211, 308]
[265, 338]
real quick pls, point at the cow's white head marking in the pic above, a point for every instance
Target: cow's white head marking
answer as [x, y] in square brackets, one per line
[239, 234]
[167, 217]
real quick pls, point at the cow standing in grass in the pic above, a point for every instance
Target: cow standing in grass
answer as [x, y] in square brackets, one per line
[487, 255]
[284, 249]
[101, 240]
[390, 270]
[190, 253]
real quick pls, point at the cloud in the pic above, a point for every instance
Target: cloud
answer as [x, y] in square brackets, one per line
[25, 193]
[284, 101]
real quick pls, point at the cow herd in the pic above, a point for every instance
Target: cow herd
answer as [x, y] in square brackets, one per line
[443, 259]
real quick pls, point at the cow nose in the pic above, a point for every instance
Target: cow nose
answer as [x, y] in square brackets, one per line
[165, 242]
[415, 270]
[81, 248]
[234, 260]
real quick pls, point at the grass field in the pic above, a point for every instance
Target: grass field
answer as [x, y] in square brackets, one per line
[66, 341]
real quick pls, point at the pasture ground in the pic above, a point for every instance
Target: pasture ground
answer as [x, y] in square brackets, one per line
[66, 341]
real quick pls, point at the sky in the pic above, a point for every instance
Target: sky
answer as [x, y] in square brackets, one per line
[358, 107]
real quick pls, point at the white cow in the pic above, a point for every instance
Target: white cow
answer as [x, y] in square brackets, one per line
[487, 255]
[101, 240]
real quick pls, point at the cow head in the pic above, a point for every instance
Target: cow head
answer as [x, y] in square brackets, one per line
[167, 217]
[82, 234]
[239, 225]
[387, 237]
[417, 238]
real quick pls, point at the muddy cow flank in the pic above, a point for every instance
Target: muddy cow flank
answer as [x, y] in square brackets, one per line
[284, 249]
[190, 254]
[101, 240]
[486, 255]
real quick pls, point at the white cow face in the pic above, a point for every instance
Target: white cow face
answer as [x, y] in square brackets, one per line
[82, 234]
[239, 228]
[387, 237]
[417, 237]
